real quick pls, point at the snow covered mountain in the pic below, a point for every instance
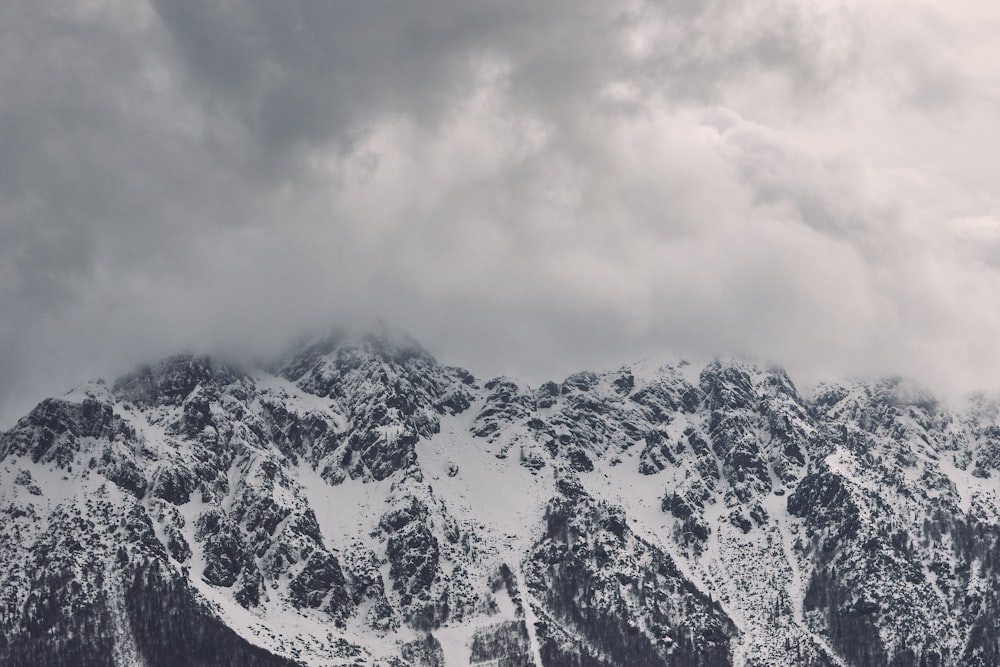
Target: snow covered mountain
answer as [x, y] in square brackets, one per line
[359, 503]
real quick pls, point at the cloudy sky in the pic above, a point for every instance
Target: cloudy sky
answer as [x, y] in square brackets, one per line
[529, 188]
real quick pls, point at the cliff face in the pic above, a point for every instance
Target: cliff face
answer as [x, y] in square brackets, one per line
[359, 503]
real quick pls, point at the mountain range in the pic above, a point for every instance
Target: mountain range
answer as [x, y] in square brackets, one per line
[359, 503]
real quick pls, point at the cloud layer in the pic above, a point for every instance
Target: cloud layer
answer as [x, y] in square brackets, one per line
[529, 189]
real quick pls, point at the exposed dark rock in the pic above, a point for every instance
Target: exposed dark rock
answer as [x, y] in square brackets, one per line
[321, 578]
[579, 382]
[224, 547]
[546, 395]
[173, 380]
[51, 432]
[657, 454]
[624, 383]
[24, 479]
[175, 483]
[505, 404]
[579, 460]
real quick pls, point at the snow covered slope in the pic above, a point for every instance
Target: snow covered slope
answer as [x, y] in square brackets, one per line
[359, 503]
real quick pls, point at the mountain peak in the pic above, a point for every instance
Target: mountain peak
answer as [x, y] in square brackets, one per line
[171, 380]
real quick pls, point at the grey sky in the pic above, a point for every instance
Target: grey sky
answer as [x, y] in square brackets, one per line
[529, 188]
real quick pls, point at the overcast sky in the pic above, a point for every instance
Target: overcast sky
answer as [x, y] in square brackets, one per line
[528, 188]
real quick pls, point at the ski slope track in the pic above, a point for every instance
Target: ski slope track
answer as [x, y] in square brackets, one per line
[359, 503]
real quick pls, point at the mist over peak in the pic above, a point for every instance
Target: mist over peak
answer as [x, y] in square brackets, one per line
[525, 190]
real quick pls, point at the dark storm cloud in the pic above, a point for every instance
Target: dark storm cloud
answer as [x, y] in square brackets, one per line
[301, 74]
[305, 73]
[529, 188]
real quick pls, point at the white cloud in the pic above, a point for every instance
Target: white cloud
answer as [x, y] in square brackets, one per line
[528, 189]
